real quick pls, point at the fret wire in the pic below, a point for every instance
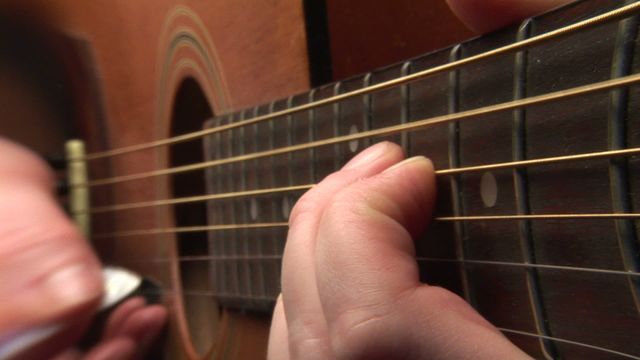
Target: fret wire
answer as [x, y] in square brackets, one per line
[521, 191]
[612, 15]
[312, 137]
[390, 130]
[236, 245]
[404, 107]
[337, 108]
[453, 154]
[425, 259]
[367, 102]
[243, 209]
[571, 342]
[271, 237]
[622, 64]
[219, 281]
[259, 245]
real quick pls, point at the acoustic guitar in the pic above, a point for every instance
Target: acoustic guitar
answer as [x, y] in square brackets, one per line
[201, 131]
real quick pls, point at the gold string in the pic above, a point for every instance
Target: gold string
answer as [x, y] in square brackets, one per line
[442, 172]
[224, 227]
[200, 198]
[571, 342]
[390, 130]
[619, 13]
[427, 259]
[541, 217]
[187, 229]
[251, 297]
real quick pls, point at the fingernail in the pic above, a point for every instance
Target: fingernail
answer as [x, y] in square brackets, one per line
[73, 285]
[367, 156]
[405, 162]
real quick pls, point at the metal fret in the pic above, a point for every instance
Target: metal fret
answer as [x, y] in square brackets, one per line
[274, 206]
[216, 239]
[404, 107]
[618, 168]
[261, 273]
[234, 247]
[312, 135]
[334, 121]
[244, 234]
[210, 178]
[454, 162]
[522, 198]
[366, 103]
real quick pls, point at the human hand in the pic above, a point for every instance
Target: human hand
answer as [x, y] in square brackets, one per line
[48, 273]
[350, 284]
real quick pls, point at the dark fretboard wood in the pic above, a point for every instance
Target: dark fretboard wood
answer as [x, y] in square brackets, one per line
[591, 308]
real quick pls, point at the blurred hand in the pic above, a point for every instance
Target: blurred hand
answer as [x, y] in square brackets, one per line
[48, 273]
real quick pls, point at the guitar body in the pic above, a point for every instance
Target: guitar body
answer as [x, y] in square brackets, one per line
[136, 72]
[127, 62]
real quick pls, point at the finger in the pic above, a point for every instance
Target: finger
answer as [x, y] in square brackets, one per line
[485, 16]
[307, 329]
[115, 349]
[120, 315]
[48, 273]
[56, 343]
[278, 339]
[143, 326]
[70, 354]
[368, 279]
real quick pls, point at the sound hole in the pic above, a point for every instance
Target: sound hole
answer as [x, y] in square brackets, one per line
[191, 110]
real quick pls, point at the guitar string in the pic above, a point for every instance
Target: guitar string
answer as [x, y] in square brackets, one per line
[293, 188]
[272, 299]
[227, 227]
[622, 12]
[385, 131]
[304, 187]
[570, 342]
[511, 330]
[419, 259]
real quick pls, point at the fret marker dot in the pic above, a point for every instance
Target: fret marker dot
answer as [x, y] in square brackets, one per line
[253, 209]
[286, 207]
[353, 144]
[488, 189]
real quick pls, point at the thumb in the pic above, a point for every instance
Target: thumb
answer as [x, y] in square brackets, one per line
[48, 274]
[368, 279]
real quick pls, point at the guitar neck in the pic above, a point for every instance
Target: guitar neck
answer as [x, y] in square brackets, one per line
[519, 240]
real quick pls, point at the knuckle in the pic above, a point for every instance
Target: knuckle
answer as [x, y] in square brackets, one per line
[352, 332]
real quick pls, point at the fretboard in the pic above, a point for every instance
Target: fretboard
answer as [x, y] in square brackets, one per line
[530, 273]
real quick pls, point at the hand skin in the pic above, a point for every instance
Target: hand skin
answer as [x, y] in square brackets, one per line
[48, 273]
[483, 16]
[350, 284]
